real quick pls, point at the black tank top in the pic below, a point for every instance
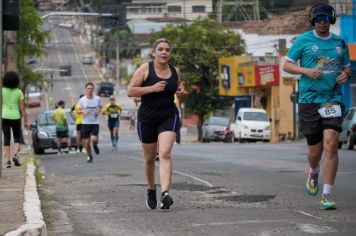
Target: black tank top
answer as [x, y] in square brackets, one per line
[156, 107]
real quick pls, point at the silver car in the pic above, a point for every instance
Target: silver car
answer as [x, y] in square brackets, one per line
[217, 129]
[348, 134]
[44, 132]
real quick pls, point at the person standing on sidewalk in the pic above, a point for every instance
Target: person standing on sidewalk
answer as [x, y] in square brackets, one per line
[156, 82]
[13, 108]
[113, 110]
[90, 106]
[78, 117]
[324, 67]
[62, 129]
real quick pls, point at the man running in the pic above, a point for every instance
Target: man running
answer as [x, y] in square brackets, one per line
[324, 67]
[62, 129]
[90, 107]
[113, 109]
[78, 123]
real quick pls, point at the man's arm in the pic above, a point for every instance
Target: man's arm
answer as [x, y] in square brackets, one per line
[293, 68]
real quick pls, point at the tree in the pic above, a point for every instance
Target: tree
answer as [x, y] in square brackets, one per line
[30, 41]
[196, 50]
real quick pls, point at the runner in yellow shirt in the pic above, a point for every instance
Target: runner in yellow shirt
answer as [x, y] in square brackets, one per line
[78, 123]
[113, 110]
[60, 117]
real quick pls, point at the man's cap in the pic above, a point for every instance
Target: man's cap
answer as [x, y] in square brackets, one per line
[61, 103]
[322, 9]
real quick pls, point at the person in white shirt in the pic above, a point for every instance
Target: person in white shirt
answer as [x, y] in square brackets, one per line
[90, 106]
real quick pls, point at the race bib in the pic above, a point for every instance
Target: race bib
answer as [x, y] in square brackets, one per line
[330, 111]
[113, 115]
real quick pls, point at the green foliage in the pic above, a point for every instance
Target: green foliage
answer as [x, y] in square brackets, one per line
[196, 50]
[30, 40]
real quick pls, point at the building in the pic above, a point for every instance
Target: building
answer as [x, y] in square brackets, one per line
[183, 9]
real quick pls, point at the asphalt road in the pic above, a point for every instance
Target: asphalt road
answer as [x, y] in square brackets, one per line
[218, 189]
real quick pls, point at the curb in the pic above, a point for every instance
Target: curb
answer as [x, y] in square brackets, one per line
[35, 224]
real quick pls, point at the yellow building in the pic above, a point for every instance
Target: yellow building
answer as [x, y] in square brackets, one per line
[262, 87]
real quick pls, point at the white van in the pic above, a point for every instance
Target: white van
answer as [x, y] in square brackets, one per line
[252, 124]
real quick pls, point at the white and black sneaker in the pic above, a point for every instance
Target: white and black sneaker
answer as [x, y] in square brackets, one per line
[151, 201]
[16, 161]
[90, 159]
[166, 200]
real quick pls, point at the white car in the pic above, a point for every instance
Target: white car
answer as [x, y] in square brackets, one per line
[252, 124]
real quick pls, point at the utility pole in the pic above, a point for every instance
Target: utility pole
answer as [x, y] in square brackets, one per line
[118, 61]
[220, 10]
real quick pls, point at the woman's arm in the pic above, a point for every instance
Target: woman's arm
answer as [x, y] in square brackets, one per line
[23, 113]
[135, 88]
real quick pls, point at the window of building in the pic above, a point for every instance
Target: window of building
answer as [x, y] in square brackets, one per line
[174, 9]
[198, 9]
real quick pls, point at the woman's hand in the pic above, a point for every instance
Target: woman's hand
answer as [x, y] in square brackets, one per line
[159, 86]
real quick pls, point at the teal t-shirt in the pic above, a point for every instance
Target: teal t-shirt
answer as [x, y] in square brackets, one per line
[10, 103]
[330, 55]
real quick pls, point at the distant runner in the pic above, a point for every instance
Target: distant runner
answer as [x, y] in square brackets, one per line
[113, 110]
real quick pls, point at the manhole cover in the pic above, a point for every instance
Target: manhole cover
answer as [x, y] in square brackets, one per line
[247, 198]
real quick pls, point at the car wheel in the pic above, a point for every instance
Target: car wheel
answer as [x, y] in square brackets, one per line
[350, 142]
[339, 146]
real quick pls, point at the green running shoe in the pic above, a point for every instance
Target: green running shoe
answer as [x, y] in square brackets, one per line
[327, 203]
[311, 186]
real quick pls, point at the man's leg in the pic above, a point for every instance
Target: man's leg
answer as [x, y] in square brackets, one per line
[331, 157]
[59, 144]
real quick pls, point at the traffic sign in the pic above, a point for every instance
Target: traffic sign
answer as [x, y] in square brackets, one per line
[117, 20]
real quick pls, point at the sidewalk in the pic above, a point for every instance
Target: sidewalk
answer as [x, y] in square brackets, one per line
[20, 206]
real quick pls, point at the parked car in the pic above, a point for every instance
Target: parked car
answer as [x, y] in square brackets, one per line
[348, 134]
[217, 129]
[44, 132]
[106, 89]
[34, 101]
[252, 124]
[88, 59]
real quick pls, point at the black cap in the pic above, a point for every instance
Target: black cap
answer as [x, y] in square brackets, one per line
[322, 9]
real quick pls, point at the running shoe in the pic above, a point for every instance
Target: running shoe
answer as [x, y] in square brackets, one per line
[311, 185]
[96, 149]
[166, 200]
[151, 201]
[8, 164]
[90, 159]
[16, 161]
[327, 203]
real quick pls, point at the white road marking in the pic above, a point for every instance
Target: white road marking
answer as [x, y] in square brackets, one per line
[312, 216]
[184, 174]
[316, 229]
[239, 222]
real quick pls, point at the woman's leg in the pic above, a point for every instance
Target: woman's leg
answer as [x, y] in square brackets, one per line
[149, 152]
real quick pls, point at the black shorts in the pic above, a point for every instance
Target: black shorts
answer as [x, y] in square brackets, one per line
[311, 122]
[148, 132]
[78, 127]
[15, 125]
[62, 134]
[89, 129]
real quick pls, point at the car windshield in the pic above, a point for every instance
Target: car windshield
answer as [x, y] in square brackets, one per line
[46, 119]
[255, 116]
[219, 121]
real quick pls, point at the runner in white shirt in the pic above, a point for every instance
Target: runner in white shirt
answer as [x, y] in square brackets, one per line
[90, 107]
